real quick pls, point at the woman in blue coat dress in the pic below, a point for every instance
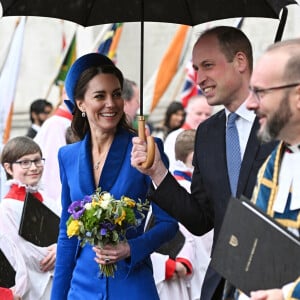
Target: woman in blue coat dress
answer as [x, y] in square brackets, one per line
[101, 158]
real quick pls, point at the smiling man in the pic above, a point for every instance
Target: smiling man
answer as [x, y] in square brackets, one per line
[275, 98]
[222, 57]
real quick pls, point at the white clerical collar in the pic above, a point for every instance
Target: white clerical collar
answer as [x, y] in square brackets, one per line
[294, 148]
[289, 180]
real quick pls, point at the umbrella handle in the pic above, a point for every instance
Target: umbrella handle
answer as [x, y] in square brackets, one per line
[150, 143]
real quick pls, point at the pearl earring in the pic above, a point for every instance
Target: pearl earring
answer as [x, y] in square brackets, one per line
[83, 114]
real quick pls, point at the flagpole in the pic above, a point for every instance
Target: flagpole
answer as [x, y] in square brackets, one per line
[9, 77]
[60, 64]
[100, 36]
[180, 83]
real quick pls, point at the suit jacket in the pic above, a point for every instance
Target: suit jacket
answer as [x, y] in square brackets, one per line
[205, 207]
[76, 274]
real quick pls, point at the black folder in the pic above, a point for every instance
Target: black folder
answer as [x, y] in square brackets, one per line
[253, 251]
[7, 272]
[39, 224]
[172, 247]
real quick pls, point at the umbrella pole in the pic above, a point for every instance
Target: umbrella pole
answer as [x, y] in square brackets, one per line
[281, 25]
[141, 120]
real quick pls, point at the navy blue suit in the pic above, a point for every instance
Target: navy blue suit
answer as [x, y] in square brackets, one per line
[205, 207]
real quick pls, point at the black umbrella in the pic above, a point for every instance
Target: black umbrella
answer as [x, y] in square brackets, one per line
[189, 12]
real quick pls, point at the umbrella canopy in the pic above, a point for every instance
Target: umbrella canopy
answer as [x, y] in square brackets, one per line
[189, 12]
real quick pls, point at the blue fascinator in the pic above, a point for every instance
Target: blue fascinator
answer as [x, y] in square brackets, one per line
[79, 66]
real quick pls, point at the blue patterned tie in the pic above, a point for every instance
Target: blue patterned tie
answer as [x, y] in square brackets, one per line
[233, 152]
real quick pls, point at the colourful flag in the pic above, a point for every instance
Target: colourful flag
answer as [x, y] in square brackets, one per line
[190, 87]
[9, 77]
[112, 53]
[69, 58]
[110, 41]
[170, 64]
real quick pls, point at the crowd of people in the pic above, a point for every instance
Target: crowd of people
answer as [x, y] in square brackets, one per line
[251, 147]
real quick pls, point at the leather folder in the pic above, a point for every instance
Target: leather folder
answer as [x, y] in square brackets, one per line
[253, 251]
[7, 272]
[39, 224]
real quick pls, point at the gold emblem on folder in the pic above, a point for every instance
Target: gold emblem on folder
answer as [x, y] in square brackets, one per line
[233, 241]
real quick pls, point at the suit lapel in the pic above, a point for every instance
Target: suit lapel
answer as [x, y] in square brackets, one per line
[85, 166]
[114, 160]
[112, 166]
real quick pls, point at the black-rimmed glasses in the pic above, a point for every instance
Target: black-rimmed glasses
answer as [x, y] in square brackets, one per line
[26, 164]
[259, 93]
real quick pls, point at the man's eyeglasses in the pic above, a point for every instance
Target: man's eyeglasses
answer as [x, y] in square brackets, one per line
[259, 93]
[26, 164]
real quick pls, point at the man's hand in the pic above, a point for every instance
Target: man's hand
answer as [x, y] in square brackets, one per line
[274, 294]
[139, 155]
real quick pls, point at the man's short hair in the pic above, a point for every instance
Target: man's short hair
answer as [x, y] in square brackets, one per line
[184, 144]
[38, 106]
[128, 91]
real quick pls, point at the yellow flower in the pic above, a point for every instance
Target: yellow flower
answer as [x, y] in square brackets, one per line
[120, 219]
[73, 228]
[129, 202]
[95, 203]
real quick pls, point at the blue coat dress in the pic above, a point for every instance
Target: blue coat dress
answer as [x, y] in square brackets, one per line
[76, 274]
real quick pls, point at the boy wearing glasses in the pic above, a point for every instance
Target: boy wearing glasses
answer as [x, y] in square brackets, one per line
[22, 161]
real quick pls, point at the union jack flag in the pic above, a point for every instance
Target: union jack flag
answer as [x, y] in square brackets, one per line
[190, 87]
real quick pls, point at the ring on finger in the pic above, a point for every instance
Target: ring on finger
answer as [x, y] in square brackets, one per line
[107, 260]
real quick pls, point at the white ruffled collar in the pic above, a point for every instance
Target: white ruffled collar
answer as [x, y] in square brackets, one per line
[29, 188]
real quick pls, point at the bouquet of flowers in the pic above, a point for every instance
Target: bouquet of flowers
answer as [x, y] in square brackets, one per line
[100, 219]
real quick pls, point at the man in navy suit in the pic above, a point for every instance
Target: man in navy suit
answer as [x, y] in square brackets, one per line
[222, 57]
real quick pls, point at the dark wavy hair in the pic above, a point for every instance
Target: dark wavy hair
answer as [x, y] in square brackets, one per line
[172, 109]
[80, 125]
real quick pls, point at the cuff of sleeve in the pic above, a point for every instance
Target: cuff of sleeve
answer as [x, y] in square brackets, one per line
[286, 290]
[186, 263]
[6, 294]
[170, 268]
[154, 185]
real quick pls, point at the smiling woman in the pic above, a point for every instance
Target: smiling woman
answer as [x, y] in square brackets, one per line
[101, 160]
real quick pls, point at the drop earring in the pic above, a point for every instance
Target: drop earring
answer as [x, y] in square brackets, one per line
[83, 114]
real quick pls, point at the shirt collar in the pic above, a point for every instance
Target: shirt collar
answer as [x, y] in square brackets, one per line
[243, 112]
[293, 148]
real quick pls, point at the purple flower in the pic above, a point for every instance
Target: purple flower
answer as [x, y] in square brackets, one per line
[105, 226]
[87, 199]
[77, 209]
[103, 231]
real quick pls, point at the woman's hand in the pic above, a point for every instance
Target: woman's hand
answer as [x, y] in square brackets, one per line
[48, 262]
[111, 254]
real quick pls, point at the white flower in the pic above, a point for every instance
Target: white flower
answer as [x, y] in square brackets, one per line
[104, 204]
[88, 206]
[106, 196]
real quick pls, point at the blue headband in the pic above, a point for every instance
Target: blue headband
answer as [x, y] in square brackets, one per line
[79, 66]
